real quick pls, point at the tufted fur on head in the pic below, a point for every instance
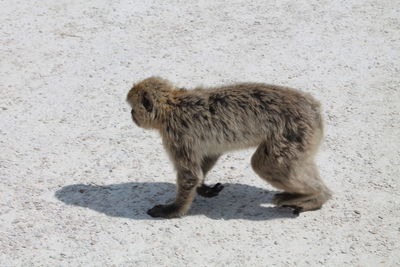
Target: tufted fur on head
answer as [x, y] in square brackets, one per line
[149, 100]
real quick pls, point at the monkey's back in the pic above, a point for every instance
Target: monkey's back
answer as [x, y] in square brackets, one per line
[242, 115]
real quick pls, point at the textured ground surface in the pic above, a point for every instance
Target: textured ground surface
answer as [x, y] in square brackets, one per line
[76, 176]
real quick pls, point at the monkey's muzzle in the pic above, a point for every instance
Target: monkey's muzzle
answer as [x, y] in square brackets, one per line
[133, 117]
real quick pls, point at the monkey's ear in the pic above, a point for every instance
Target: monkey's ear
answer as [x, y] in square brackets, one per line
[147, 103]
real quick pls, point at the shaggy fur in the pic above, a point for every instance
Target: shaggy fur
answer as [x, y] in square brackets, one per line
[198, 125]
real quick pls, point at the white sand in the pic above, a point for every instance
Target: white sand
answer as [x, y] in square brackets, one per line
[76, 176]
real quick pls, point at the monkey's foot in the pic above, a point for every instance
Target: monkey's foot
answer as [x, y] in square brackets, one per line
[279, 198]
[298, 202]
[164, 211]
[296, 210]
[209, 191]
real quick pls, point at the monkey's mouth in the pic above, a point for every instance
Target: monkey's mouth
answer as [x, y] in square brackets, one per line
[134, 119]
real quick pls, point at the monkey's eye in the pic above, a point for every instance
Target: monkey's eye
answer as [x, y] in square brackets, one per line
[147, 102]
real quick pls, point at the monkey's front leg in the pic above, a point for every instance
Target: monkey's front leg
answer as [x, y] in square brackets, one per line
[187, 181]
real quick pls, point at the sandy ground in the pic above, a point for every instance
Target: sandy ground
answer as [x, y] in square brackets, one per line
[76, 176]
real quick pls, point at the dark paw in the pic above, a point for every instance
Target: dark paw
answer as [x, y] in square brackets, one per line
[209, 191]
[296, 210]
[164, 211]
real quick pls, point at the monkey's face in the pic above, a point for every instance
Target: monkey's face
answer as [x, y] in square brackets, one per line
[147, 100]
[142, 112]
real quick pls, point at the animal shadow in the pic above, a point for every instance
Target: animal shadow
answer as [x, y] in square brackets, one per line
[132, 200]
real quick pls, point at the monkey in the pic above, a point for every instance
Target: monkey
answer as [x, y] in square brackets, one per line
[198, 125]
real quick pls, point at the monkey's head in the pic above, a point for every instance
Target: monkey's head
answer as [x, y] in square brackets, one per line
[148, 100]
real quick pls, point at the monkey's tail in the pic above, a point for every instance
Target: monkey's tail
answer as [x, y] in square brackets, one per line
[319, 118]
[317, 110]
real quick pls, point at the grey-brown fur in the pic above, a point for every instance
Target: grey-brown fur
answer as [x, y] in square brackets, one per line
[198, 125]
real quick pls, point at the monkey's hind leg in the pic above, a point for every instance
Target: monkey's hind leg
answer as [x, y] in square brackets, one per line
[305, 191]
[206, 190]
[299, 179]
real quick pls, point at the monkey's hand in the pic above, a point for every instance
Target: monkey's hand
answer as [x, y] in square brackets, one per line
[164, 211]
[209, 191]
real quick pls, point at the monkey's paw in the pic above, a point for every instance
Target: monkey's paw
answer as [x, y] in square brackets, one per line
[209, 191]
[164, 211]
[296, 210]
[299, 203]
